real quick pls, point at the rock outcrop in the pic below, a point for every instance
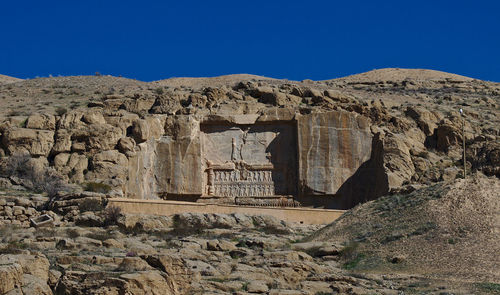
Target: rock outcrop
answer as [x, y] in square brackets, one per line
[324, 143]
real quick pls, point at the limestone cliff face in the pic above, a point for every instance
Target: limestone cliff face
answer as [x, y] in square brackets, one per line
[321, 159]
[340, 161]
[178, 164]
[141, 168]
[332, 146]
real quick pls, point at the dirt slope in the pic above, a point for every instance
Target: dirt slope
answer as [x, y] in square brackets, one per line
[448, 229]
[397, 75]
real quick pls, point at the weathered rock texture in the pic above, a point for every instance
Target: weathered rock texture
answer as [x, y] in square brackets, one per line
[248, 139]
[239, 157]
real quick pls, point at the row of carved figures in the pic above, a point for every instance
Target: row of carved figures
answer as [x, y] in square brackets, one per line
[241, 190]
[237, 175]
[278, 202]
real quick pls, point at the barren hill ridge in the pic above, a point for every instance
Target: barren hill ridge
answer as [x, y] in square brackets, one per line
[7, 79]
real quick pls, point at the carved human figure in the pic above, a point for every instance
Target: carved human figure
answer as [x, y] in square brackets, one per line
[211, 181]
[233, 149]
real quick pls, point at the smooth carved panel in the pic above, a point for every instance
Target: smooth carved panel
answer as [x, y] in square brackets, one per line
[249, 160]
[332, 147]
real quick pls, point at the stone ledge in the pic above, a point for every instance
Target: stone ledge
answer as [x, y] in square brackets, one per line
[165, 208]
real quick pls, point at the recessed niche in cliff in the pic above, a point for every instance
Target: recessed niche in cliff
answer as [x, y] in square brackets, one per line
[253, 161]
[328, 160]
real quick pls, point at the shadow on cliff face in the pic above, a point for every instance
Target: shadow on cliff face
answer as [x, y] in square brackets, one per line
[368, 183]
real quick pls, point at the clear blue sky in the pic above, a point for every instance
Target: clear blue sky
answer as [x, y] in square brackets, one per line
[151, 40]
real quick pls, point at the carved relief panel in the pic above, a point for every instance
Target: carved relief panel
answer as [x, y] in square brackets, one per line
[249, 160]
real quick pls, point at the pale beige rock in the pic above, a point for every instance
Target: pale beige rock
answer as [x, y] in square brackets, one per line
[71, 120]
[103, 137]
[112, 156]
[257, 287]
[397, 160]
[332, 146]
[151, 127]
[62, 141]
[123, 120]
[10, 276]
[138, 106]
[179, 160]
[126, 145]
[41, 121]
[426, 120]
[133, 264]
[93, 116]
[35, 285]
[78, 147]
[220, 245]
[36, 142]
[149, 282]
[61, 160]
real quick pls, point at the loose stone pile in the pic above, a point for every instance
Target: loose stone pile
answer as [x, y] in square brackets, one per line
[18, 209]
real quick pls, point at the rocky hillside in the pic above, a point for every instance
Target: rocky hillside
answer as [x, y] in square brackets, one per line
[87, 128]
[439, 240]
[444, 230]
[68, 142]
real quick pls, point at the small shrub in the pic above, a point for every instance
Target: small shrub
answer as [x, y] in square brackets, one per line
[353, 263]
[159, 91]
[61, 111]
[91, 204]
[97, 187]
[14, 247]
[182, 228]
[350, 250]
[492, 288]
[14, 113]
[111, 215]
[313, 251]
[41, 180]
[18, 165]
[72, 233]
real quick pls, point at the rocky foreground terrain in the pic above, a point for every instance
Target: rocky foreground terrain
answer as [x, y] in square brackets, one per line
[66, 143]
[443, 239]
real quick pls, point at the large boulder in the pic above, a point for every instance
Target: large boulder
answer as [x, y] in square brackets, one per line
[74, 165]
[142, 130]
[103, 137]
[36, 142]
[41, 121]
[26, 274]
[10, 276]
[426, 120]
[397, 160]
[149, 282]
[108, 165]
[62, 141]
[93, 116]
